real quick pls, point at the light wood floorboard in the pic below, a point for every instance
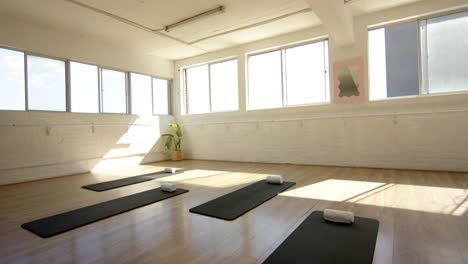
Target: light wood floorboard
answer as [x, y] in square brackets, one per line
[423, 215]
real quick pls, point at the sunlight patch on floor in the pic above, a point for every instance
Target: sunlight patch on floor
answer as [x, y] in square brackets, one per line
[461, 209]
[430, 199]
[118, 162]
[333, 190]
[125, 171]
[191, 174]
[215, 179]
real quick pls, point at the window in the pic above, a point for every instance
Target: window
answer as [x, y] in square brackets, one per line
[160, 96]
[393, 61]
[84, 88]
[223, 84]
[306, 81]
[141, 87]
[288, 77]
[212, 87]
[12, 80]
[438, 43]
[265, 77]
[113, 92]
[445, 53]
[46, 84]
[197, 89]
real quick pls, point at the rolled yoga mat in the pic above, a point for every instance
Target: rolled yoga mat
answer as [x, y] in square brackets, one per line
[60, 223]
[237, 203]
[316, 240]
[104, 186]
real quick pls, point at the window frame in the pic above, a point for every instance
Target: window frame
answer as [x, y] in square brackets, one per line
[247, 79]
[69, 87]
[129, 74]
[127, 91]
[169, 96]
[185, 86]
[25, 80]
[284, 90]
[67, 83]
[422, 67]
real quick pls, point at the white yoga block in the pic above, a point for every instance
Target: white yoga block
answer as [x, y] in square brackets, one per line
[168, 187]
[275, 179]
[170, 170]
[338, 216]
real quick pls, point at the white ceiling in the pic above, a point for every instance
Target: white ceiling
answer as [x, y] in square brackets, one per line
[243, 21]
[360, 7]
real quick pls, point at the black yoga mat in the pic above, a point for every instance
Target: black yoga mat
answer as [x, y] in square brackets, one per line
[60, 223]
[318, 241]
[237, 203]
[104, 186]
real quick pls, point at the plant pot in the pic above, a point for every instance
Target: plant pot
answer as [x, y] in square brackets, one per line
[176, 155]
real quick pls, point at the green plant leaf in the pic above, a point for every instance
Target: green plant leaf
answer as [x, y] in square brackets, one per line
[177, 129]
[177, 144]
[169, 140]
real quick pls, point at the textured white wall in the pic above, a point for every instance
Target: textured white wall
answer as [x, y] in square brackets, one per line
[42, 145]
[429, 141]
[29, 152]
[426, 132]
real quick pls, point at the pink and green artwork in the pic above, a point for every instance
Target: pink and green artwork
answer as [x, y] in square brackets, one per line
[349, 85]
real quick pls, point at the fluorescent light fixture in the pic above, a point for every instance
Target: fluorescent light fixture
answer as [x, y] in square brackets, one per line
[218, 10]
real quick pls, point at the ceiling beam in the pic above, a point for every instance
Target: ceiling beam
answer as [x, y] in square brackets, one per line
[336, 18]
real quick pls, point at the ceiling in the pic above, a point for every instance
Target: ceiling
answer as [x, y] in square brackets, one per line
[361, 7]
[138, 24]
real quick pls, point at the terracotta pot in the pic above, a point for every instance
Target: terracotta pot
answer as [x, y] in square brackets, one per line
[177, 155]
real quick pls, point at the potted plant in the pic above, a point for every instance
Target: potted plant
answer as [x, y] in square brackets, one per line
[174, 140]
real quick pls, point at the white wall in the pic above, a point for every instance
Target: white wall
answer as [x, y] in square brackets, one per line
[36, 145]
[426, 132]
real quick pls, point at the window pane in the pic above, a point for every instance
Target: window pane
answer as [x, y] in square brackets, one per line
[265, 81]
[114, 95]
[46, 84]
[224, 89]
[141, 94]
[447, 48]
[12, 80]
[198, 97]
[84, 88]
[160, 96]
[377, 65]
[400, 76]
[306, 74]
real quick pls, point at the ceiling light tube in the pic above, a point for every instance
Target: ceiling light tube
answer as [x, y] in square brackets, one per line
[219, 9]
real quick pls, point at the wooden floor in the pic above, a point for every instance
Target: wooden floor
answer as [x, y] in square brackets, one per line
[423, 215]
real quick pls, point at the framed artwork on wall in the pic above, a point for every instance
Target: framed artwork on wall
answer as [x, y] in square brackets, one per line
[348, 81]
